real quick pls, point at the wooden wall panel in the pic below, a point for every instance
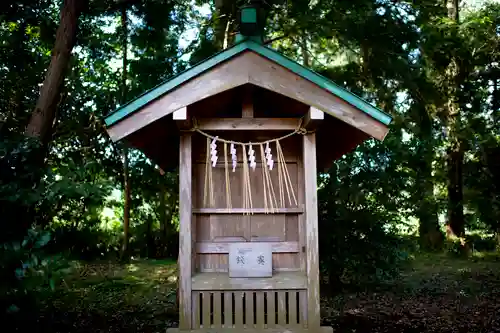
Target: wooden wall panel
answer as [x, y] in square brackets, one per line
[267, 228]
[212, 262]
[284, 262]
[203, 228]
[229, 226]
[236, 187]
[215, 262]
[292, 228]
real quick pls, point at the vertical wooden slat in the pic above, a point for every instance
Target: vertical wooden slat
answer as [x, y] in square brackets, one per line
[303, 308]
[207, 309]
[217, 309]
[281, 308]
[260, 309]
[271, 309]
[301, 217]
[238, 309]
[195, 303]
[292, 308]
[311, 205]
[249, 318]
[185, 245]
[228, 309]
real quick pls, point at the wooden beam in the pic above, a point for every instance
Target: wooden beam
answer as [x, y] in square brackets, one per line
[225, 76]
[311, 203]
[182, 118]
[180, 114]
[247, 104]
[185, 241]
[269, 75]
[277, 247]
[222, 281]
[312, 118]
[288, 210]
[248, 69]
[248, 124]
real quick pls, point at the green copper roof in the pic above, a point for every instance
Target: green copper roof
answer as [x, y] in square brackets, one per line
[262, 50]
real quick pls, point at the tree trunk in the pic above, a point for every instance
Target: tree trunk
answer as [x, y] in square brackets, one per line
[126, 206]
[126, 178]
[163, 219]
[305, 50]
[43, 117]
[430, 236]
[455, 152]
[456, 220]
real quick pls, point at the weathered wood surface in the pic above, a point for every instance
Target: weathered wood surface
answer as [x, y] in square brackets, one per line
[313, 118]
[217, 309]
[238, 309]
[290, 210]
[268, 75]
[226, 76]
[276, 247]
[228, 309]
[254, 69]
[271, 309]
[185, 240]
[311, 228]
[221, 281]
[247, 110]
[195, 303]
[247, 124]
[277, 329]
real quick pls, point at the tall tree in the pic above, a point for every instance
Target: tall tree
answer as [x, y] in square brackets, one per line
[126, 176]
[455, 151]
[42, 119]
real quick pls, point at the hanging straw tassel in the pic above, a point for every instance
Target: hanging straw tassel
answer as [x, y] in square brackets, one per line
[264, 180]
[247, 190]
[208, 191]
[269, 195]
[286, 175]
[228, 185]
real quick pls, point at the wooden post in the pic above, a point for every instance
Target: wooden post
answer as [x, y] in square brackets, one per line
[185, 246]
[311, 219]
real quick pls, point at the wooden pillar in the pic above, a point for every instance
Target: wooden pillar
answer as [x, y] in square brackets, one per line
[311, 228]
[185, 245]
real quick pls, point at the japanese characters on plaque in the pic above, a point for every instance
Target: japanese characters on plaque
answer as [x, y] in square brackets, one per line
[250, 259]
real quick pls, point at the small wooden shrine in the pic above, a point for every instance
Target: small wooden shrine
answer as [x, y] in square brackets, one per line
[248, 129]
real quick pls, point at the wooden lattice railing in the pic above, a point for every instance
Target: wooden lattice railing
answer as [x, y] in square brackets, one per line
[249, 309]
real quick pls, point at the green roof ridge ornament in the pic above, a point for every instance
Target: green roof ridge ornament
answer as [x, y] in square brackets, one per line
[251, 21]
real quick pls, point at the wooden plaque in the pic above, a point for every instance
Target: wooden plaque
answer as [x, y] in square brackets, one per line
[250, 259]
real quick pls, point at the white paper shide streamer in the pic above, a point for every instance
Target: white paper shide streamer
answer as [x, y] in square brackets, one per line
[251, 158]
[269, 157]
[233, 156]
[213, 152]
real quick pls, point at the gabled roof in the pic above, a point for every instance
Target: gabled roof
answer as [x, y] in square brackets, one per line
[247, 45]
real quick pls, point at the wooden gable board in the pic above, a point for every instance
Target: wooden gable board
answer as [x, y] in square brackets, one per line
[221, 83]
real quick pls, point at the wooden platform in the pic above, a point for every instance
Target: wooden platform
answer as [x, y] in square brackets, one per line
[222, 281]
[322, 329]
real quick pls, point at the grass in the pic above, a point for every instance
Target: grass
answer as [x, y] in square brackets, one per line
[436, 293]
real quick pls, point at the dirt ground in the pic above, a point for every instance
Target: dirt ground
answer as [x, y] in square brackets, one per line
[435, 294]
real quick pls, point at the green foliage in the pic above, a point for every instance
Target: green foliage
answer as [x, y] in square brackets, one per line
[357, 245]
[395, 54]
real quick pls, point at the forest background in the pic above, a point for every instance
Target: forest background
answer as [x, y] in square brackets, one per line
[67, 193]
